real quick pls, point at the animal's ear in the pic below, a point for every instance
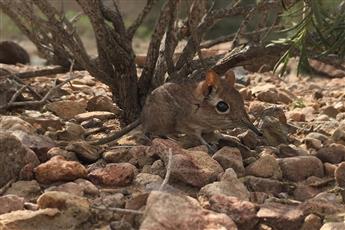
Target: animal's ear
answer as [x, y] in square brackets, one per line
[211, 82]
[230, 77]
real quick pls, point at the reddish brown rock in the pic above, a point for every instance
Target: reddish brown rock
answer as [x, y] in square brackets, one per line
[281, 216]
[335, 153]
[114, 174]
[312, 222]
[296, 116]
[102, 103]
[9, 203]
[249, 138]
[181, 212]
[243, 213]
[58, 169]
[196, 168]
[269, 186]
[66, 109]
[329, 169]
[300, 168]
[229, 157]
[266, 166]
[340, 175]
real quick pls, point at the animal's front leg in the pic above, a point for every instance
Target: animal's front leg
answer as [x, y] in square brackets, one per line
[211, 147]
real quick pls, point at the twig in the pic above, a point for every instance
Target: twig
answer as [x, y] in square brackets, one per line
[122, 210]
[38, 73]
[168, 173]
[45, 98]
[133, 28]
[4, 188]
[15, 96]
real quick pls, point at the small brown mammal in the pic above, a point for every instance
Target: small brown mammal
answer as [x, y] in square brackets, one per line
[12, 53]
[193, 109]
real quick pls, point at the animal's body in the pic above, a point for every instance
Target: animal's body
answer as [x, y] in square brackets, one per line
[195, 109]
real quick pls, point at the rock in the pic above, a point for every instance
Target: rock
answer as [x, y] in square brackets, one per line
[29, 190]
[229, 185]
[339, 135]
[312, 143]
[28, 220]
[12, 123]
[304, 192]
[56, 151]
[121, 225]
[12, 53]
[58, 169]
[229, 157]
[276, 112]
[158, 168]
[146, 178]
[92, 123]
[323, 138]
[266, 93]
[116, 200]
[38, 143]
[274, 132]
[87, 187]
[71, 132]
[13, 157]
[102, 103]
[266, 166]
[296, 116]
[249, 139]
[140, 155]
[114, 174]
[196, 168]
[330, 111]
[69, 187]
[333, 226]
[269, 186]
[9, 203]
[335, 153]
[329, 169]
[75, 210]
[181, 212]
[243, 213]
[300, 168]
[312, 222]
[284, 97]
[42, 121]
[256, 108]
[102, 115]
[281, 216]
[66, 109]
[322, 206]
[340, 175]
[117, 155]
[289, 151]
[84, 151]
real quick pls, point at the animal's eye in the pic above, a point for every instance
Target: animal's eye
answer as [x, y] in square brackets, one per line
[222, 107]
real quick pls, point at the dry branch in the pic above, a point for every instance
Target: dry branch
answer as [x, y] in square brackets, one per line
[168, 171]
[137, 22]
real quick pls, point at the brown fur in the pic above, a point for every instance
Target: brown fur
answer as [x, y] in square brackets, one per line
[191, 108]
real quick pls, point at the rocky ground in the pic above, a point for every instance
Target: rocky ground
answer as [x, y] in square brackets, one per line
[291, 178]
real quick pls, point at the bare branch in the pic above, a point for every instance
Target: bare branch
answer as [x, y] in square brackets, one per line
[44, 99]
[121, 210]
[38, 73]
[153, 50]
[137, 22]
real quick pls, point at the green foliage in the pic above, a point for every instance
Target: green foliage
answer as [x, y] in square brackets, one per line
[315, 29]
